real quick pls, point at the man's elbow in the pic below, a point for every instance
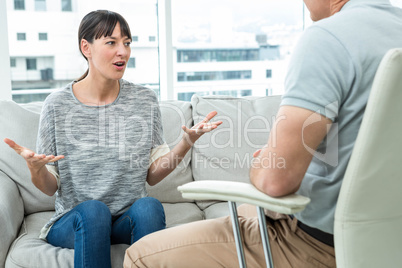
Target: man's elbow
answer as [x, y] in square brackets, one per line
[276, 185]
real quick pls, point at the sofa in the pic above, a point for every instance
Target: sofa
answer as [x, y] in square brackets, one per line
[224, 154]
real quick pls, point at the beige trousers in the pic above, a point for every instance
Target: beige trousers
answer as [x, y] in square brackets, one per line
[210, 243]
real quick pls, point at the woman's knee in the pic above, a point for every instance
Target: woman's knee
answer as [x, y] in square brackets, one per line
[95, 212]
[148, 205]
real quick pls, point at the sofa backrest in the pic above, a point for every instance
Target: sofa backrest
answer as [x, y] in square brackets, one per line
[174, 115]
[20, 123]
[227, 152]
[224, 154]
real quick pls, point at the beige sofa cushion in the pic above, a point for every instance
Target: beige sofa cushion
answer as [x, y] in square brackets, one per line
[20, 123]
[227, 152]
[30, 251]
[174, 115]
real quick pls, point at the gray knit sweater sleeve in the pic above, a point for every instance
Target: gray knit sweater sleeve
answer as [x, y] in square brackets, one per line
[106, 148]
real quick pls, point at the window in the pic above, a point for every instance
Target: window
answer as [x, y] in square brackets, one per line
[241, 40]
[219, 75]
[31, 64]
[13, 62]
[56, 68]
[131, 63]
[40, 5]
[214, 55]
[134, 38]
[200, 39]
[42, 36]
[21, 37]
[66, 5]
[269, 91]
[19, 4]
[152, 39]
[186, 96]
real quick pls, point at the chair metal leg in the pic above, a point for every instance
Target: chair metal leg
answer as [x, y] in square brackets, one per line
[264, 236]
[237, 234]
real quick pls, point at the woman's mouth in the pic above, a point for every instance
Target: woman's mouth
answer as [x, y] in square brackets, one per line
[119, 65]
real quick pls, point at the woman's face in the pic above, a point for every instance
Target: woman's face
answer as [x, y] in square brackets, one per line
[108, 56]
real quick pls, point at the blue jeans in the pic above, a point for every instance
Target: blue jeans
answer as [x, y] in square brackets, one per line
[90, 229]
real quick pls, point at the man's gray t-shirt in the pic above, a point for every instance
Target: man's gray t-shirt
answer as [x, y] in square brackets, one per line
[106, 148]
[331, 72]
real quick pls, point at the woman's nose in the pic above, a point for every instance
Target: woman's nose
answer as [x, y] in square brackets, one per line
[123, 50]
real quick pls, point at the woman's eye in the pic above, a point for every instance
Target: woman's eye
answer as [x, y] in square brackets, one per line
[110, 43]
[128, 44]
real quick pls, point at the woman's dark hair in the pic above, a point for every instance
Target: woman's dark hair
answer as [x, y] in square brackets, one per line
[100, 23]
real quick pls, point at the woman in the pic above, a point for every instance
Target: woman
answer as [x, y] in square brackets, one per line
[110, 134]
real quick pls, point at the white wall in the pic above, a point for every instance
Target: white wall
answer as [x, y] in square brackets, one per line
[5, 77]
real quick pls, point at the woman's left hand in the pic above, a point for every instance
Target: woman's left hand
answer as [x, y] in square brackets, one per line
[191, 135]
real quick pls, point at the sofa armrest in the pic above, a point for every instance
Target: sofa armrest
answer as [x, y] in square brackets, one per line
[11, 214]
[244, 193]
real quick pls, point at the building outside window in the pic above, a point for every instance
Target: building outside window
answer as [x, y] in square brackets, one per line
[131, 63]
[214, 55]
[227, 48]
[13, 62]
[66, 5]
[242, 42]
[42, 36]
[19, 4]
[40, 5]
[269, 91]
[31, 64]
[21, 36]
[208, 76]
[50, 59]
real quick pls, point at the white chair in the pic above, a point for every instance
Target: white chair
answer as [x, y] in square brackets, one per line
[368, 217]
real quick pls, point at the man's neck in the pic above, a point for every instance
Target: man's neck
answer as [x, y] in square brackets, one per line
[336, 5]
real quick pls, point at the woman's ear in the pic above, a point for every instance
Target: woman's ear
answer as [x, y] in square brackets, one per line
[85, 48]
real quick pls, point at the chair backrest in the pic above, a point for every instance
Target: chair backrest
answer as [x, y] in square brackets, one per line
[368, 217]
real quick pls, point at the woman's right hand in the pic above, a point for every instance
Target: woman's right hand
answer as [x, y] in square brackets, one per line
[34, 161]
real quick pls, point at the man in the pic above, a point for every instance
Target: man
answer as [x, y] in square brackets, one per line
[327, 87]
